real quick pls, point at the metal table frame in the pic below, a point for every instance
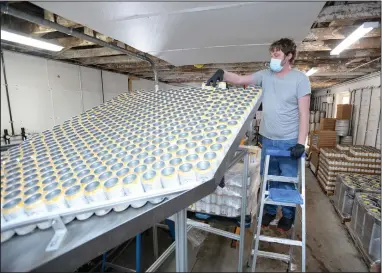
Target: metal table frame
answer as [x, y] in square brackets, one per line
[181, 229]
[81, 241]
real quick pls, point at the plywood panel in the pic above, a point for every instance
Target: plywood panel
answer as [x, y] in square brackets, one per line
[109, 96]
[231, 54]
[356, 104]
[194, 26]
[31, 108]
[114, 83]
[26, 70]
[63, 76]
[91, 99]
[66, 104]
[374, 112]
[91, 80]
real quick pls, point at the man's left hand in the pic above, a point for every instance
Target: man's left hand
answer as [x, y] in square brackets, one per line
[297, 150]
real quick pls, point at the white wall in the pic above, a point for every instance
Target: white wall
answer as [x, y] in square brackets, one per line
[366, 112]
[44, 92]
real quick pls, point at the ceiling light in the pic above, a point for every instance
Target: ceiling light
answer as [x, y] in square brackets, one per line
[311, 71]
[16, 38]
[354, 36]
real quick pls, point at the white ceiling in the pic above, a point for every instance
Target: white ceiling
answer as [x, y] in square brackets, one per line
[184, 33]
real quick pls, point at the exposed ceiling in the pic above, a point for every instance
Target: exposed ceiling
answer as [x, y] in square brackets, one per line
[186, 33]
[229, 35]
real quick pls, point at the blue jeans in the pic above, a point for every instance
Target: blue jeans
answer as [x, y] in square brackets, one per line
[284, 166]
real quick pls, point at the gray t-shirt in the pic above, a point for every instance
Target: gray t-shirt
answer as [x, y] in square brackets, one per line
[280, 102]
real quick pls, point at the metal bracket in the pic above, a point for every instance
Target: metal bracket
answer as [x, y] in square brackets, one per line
[59, 234]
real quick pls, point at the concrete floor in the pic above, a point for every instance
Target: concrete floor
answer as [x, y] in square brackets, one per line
[329, 247]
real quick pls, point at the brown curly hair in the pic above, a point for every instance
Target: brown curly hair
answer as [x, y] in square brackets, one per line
[286, 46]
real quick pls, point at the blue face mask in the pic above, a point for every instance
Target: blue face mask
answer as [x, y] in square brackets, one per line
[275, 65]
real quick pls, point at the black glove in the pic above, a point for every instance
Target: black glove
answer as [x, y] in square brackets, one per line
[297, 150]
[218, 76]
[222, 183]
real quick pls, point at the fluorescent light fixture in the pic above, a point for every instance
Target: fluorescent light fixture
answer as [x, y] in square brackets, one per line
[17, 38]
[311, 71]
[354, 36]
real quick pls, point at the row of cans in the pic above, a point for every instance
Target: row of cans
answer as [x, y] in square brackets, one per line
[220, 210]
[77, 195]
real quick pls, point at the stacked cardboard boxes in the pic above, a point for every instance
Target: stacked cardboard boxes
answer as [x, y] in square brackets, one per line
[327, 124]
[344, 111]
[325, 137]
[346, 159]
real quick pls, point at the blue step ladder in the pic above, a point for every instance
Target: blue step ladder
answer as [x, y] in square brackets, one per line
[281, 197]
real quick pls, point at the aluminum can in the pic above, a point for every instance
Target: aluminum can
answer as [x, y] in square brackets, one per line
[169, 177]
[151, 182]
[186, 173]
[75, 198]
[14, 209]
[133, 186]
[113, 189]
[94, 193]
[55, 201]
[35, 205]
[211, 157]
[6, 235]
[204, 171]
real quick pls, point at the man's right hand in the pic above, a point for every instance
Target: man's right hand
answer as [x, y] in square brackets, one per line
[218, 76]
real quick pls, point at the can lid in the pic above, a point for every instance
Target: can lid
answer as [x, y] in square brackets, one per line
[92, 187]
[111, 183]
[13, 204]
[33, 200]
[52, 196]
[186, 167]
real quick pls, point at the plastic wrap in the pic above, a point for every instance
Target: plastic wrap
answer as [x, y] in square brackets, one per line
[227, 201]
[366, 223]
[347, 185]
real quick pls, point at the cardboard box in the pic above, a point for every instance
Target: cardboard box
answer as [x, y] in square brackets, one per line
[314, 159]
[344, 111]
[322, 139]
[328, 124]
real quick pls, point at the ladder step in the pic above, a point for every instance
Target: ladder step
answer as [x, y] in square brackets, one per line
[270, 202]
[279, 240]
[285, 179]
[273, 255]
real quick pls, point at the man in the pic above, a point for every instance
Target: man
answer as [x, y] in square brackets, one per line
[286, 101]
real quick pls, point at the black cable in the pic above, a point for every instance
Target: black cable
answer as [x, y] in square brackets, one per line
[7, 93]
[103, 94]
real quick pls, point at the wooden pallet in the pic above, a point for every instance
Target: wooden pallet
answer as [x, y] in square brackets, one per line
[313, 170]
[342, 218]
[323, 187]
[366, 258]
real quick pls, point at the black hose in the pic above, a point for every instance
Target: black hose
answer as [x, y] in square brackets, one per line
[7, 93]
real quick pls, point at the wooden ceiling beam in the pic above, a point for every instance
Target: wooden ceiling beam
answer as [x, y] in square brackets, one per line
[347, 54]
[350, 12]
[328, 45]
[88, 53]
[121, 59]
[69, 42]
[333, 33]
[60, 20]
[342, 66]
